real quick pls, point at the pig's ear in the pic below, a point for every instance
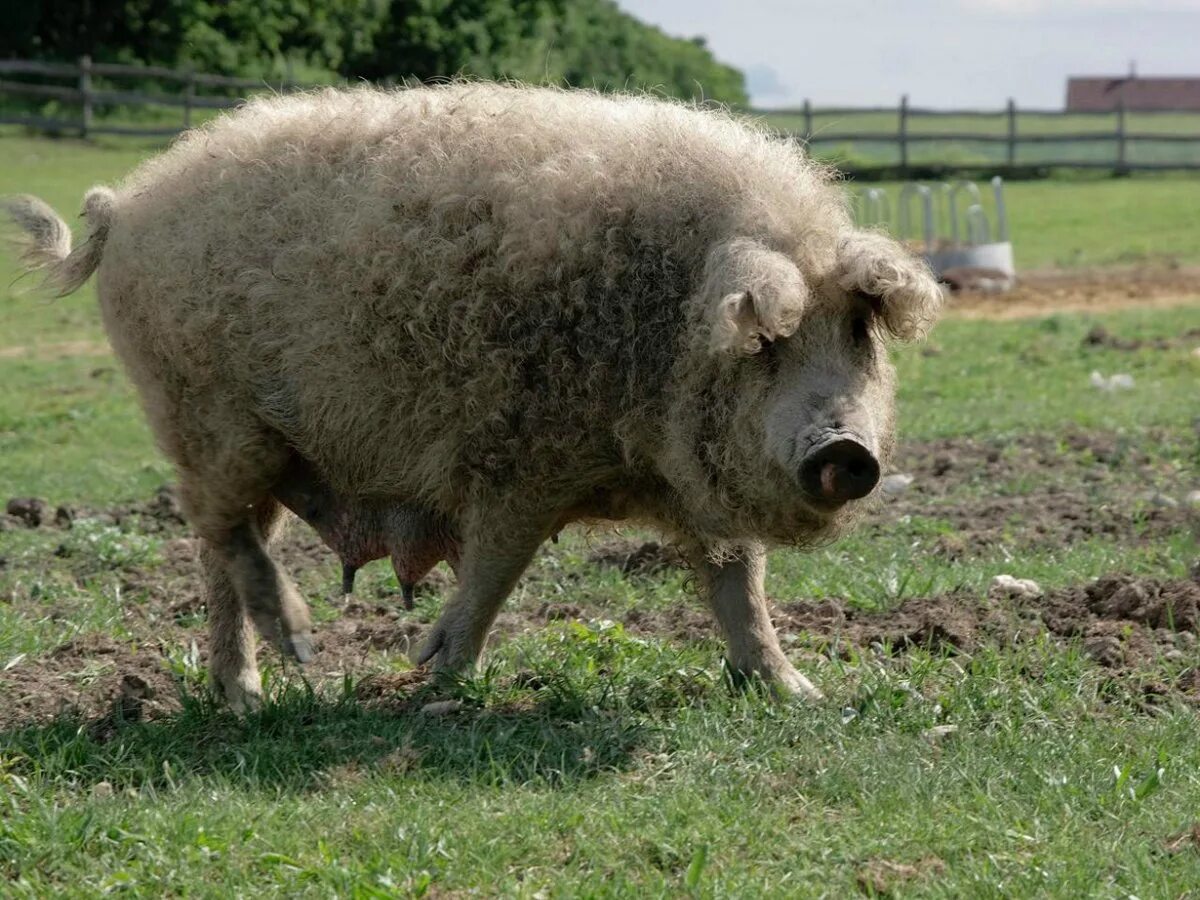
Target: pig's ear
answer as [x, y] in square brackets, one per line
[752, 295]
[907, 296]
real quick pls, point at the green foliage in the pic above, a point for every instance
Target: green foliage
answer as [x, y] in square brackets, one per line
[589, 44]
[575, 42]
[250, 37]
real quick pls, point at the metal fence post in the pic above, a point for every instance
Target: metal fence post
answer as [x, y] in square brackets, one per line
[85, 89]
[903, 135]
[1012, 132]
[808, 123]
[1121, 161]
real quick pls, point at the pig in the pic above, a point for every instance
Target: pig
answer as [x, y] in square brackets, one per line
[510, 306]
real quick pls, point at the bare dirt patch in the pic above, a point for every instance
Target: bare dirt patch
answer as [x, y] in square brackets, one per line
[1100, 338]
[1124, 623]
[634, 557]
[60, 350]
[1087, 290]
[1020, 494]
[1130, 626]
[880, 877]
[94, 677]
[1035, 491]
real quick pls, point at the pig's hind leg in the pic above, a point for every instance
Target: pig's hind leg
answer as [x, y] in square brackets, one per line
[237, 575]
[234, 515]
[495, 552]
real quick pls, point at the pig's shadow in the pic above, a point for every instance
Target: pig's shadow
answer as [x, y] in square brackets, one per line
[311, 743]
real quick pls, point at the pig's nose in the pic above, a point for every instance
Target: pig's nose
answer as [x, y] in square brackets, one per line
[840, 470]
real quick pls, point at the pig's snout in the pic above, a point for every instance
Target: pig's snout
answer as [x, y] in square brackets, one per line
[838, 470]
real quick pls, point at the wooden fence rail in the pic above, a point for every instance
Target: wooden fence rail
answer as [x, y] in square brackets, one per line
[87, 96]
[904, 137]
[180, 89]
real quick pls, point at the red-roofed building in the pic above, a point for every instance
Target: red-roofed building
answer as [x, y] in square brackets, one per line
[1137, 93]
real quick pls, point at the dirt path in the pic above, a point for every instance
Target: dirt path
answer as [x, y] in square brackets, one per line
[1087, 290]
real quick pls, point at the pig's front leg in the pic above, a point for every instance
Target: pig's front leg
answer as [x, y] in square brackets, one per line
[734, 591]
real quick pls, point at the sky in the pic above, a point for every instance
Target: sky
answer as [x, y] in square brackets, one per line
[942, 53]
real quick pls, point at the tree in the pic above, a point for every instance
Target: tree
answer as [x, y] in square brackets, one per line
[574, 42]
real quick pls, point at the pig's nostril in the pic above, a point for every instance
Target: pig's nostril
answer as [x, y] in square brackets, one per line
[839, 471]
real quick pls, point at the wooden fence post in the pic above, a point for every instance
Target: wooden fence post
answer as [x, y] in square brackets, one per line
[1121, 161]
[189, 97]
[903, 134]
[1012, 132]
[85, 88]
[808, 123]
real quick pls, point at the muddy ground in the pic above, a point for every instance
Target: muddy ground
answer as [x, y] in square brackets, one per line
[1018, 494]
[1037, 491]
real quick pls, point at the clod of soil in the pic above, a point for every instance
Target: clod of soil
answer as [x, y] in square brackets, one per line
[31, 511]
[1124, 622]
[1101, 338]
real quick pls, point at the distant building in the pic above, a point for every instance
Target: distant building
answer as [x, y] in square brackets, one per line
[1137, 93]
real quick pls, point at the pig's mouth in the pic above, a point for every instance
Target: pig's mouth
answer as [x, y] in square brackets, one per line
[836, 468]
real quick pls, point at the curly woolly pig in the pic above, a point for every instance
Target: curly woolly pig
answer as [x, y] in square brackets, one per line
[361, 530]
[512, 307]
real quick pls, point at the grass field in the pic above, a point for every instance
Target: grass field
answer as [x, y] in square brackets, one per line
[969, 746]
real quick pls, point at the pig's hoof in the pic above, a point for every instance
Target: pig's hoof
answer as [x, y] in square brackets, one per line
[791, 684]
[428, 652]
[782, 682]
[299, 646]
[446, 651]
[241, 693]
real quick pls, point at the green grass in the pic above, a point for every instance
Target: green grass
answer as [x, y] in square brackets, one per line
[590, 761]
[629, 772]
[603, 789]
[1033, 376]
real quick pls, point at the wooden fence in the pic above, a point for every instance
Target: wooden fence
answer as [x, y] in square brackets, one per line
[87, 97]
[184, 90]
[1010, 137]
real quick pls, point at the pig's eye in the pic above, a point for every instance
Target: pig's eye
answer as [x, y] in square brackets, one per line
[769, 354]
[860, 332]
